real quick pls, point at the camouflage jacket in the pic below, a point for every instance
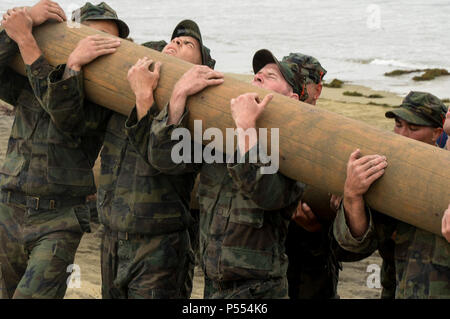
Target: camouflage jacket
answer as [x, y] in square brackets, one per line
[47, 154]
[422, 259]
[133, 196]
[244, 214]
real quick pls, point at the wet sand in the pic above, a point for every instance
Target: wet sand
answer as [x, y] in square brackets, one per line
[353, 278]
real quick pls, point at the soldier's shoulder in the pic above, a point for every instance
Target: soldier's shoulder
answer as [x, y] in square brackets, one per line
[155, 45]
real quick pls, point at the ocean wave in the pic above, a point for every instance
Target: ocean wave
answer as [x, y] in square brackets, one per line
[391, 62]
[398, 63]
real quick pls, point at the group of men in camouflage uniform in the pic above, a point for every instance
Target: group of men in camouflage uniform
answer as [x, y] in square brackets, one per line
[257, 239]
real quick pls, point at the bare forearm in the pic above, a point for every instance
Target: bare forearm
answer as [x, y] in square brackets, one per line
[177, 105]
[246, 141]
[29, 49]
[355, 215]
[143, 104]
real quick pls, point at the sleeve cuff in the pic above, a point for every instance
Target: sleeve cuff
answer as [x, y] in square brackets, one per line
[39, 69]
[254, 158]
[160, 129]
[344, 237]
[61, 91]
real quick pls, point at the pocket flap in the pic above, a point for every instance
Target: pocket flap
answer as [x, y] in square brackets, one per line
[70, 176]
[12, 165]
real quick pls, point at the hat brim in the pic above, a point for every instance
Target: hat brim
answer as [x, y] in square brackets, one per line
[264, 57]
[124, 30]
[198, 38]
[408, 116]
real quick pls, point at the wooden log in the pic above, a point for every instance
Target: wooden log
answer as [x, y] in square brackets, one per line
[314, 144]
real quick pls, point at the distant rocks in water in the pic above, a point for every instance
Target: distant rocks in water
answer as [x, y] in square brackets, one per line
[355, 93]
[375, 96]
[335, 84]
[429, 74]
[6, 109]
[382, 104]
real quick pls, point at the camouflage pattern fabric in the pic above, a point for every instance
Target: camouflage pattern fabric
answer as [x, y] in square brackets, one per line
[387, 274]
[243, 214]
[36, 248]
[13, 258]
[313, 270]
[136, 198]
[309, 66]
[133, 196]
[102, 11]
[422, 259]
[251, 289]
[421, 108]
[51, 152]
[46, 156]
[146, 267]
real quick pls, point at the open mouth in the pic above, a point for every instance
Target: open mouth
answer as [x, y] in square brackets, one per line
[171, 51]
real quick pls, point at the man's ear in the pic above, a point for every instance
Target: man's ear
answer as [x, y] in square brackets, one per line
[437, 132]
[319, 90]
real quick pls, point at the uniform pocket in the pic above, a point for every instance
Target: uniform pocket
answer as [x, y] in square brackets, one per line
[12, 166]
[245, 212]
[160, 218]
[28, 111]
[70, 176]
[441, 253]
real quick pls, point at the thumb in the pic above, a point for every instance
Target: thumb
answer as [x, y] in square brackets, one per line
[265, 101]
[355, 155]
[146, 64]
[157, 67]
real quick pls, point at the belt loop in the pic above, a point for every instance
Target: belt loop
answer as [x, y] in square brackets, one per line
[52, 204]
[8, 197]
[37, 202]
[126, 235]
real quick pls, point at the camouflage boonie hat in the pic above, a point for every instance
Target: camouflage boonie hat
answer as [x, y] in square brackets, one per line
[290, 71]
[188, 28]
[101, 11]
[308, 65]
[421, 108]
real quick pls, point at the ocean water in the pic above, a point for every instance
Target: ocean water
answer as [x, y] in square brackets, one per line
[356, 41]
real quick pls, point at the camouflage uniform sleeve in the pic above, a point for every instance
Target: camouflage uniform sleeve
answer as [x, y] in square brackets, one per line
[366, 244]
[161, 144]
[139, 131]
[62, 99]
[268, 191]
[11, 83]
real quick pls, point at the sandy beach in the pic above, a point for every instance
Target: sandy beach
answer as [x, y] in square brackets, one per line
[353, 278]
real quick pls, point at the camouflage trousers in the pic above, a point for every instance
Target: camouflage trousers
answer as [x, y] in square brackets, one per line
[146, 267]
[312, 277]
[249, 289]
[36, 249]
[312, 283]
